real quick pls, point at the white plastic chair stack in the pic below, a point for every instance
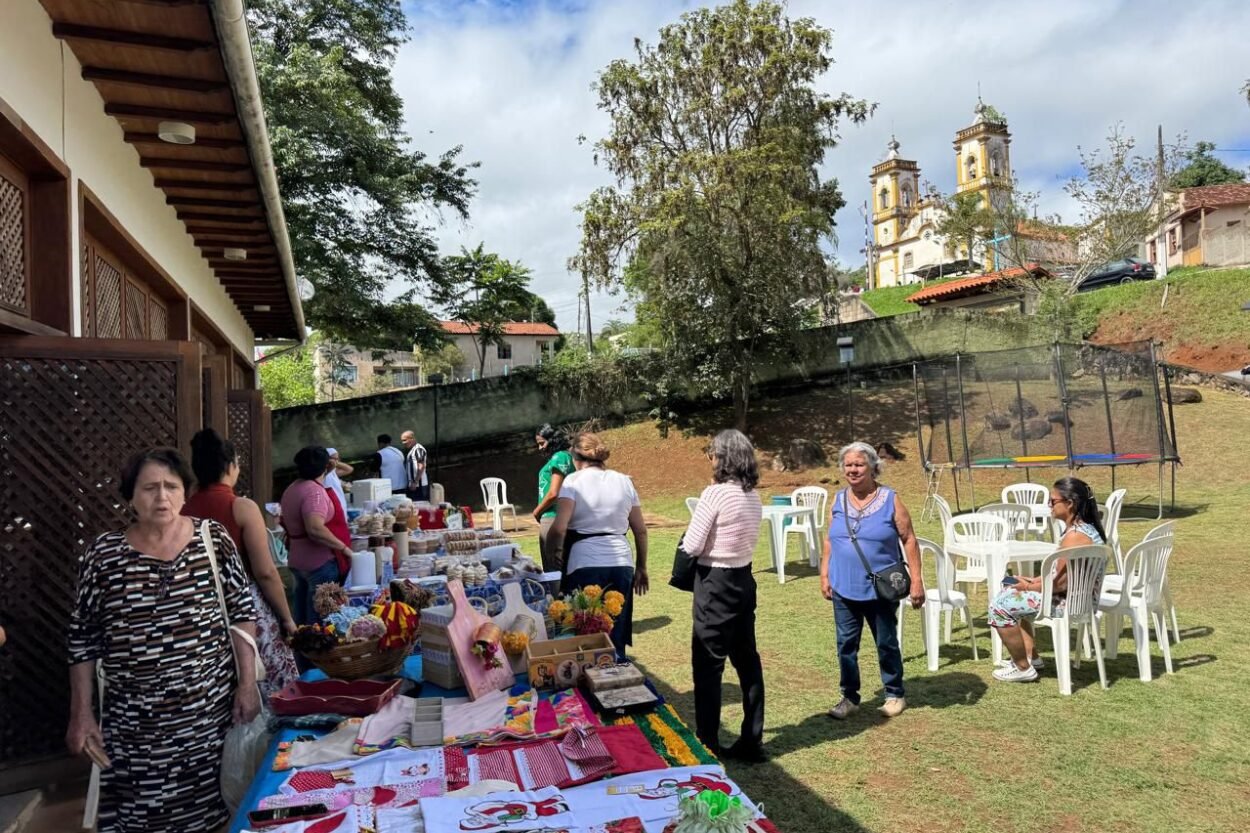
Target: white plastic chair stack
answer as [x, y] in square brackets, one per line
[1140, 596]
[1111, 524]
[942, 598]
[1030, 495]
[1086, 566]
[944, 511]
[495, 496]
[1159, 531]
[817, 498]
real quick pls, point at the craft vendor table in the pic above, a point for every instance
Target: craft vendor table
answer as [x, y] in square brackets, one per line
[997, 555]
[267, 781]
[776, 517]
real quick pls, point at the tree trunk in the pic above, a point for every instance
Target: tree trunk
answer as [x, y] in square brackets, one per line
[742, 395]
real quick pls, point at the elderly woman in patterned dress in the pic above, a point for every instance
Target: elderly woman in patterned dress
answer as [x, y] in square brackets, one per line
[148, 613]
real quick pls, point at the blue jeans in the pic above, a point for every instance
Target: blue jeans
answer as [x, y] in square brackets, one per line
[849, 616]
[620, 579]
[306, 585]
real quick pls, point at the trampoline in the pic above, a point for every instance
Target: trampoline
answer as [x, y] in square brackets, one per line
[1050, 406]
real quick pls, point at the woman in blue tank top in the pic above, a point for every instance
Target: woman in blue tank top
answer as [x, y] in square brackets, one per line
[872, 516]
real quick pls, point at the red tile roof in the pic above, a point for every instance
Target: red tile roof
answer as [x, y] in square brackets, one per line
[511, 328]
[1213, 196]
[973, 285]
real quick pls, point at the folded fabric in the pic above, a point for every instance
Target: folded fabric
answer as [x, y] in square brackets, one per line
[389, 795]
[347, 820]
[670, 737]
[562, 711]
[495, 717]
[335, 746]
[629, 749]
[305, 721]
[543, 763]
[395, 766]
[390, 727]
[507, 811]
[455, 768]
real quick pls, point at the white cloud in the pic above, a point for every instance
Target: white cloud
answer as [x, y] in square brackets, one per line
[513, 86]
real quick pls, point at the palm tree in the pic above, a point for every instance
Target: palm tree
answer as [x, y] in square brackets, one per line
[337, 358]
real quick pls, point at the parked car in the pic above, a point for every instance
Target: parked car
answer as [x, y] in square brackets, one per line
[1119, 271]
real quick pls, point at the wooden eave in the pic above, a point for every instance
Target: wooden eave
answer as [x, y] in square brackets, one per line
[160, 60]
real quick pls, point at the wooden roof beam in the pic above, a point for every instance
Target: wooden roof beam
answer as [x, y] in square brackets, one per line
[193, 165]
[75, 31]
[207, 232]
[147, 79]
[209, 202]
[203, 185]
[145, 112]
[141, 138]
[275, 275]
[231, 219]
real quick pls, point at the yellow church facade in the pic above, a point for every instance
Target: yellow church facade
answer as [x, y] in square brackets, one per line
[906, 244]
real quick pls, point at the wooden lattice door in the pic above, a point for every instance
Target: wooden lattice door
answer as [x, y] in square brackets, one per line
[249, 421]
[74, 410]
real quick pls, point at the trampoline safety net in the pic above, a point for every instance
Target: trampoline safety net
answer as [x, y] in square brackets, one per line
[1062, 405]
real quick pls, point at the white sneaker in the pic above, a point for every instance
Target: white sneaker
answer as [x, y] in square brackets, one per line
[1012, 674]
[1036, 662]
[844, 709]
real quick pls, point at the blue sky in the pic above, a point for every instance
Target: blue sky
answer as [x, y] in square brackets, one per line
[510, 81]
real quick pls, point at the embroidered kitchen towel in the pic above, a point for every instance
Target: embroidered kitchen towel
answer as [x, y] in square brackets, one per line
[651, 796]
[335, 746]
[496, 812]
[629, 749]
[390, 727]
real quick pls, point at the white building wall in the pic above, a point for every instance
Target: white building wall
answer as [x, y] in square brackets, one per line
[42, 81]
[525, 353]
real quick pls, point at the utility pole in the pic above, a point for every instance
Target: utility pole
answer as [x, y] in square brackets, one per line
[590, 343]
[1161, 251]
[870, 277]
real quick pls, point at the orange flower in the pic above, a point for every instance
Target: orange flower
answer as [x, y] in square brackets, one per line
[592, 591]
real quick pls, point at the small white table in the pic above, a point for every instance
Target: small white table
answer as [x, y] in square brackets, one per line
[776, 517]
[997, 555]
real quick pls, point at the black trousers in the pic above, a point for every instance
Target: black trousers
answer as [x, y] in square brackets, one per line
[724, 628]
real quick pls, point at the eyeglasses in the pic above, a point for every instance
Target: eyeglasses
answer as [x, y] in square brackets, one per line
[1055, 500]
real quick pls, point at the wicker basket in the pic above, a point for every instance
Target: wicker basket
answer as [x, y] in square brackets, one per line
[354, 660]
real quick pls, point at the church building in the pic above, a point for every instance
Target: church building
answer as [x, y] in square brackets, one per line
[906, 245]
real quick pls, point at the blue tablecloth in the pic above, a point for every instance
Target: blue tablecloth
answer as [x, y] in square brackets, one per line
[267, 781]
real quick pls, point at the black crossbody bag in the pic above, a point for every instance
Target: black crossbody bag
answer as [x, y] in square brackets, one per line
[893, 584]
[683, 568]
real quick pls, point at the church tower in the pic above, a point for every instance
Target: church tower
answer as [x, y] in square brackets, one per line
[895, 195]
[982, 155]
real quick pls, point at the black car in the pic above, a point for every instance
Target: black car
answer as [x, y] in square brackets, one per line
[1119, 271]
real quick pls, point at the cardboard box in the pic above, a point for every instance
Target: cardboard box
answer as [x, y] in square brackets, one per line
[559, 663]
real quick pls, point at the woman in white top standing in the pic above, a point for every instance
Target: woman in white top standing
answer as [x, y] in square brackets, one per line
[722, 537]
[594, 511]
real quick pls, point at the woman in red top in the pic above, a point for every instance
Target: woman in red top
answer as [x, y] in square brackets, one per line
[216, 467]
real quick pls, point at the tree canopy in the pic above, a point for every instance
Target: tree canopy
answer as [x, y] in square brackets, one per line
[360, 200]
[1202, 168]
[717, 216]
[482, 291]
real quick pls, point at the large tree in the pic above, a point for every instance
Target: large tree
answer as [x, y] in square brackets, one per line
[482, 291]
[359, 199]
[965, 222]
[1201, 168]
[718, 210]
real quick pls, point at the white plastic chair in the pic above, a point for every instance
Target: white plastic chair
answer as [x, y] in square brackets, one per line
[1141, 595]
[1167, 529]
[495, 496]
[944, 511]
[1019, 518]
[1086, 566]
[692, 503]
[970, 528]
[943, 598]
[1026, 494]
[1111, 524]
[817, 498]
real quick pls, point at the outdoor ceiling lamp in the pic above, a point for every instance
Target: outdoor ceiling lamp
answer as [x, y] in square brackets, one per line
[176, 132]
[261, 308]
[235, 254]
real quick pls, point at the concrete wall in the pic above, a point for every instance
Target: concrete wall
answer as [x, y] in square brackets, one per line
[42, 81]
[492, 413]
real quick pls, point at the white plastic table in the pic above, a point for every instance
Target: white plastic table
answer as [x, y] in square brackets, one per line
[776, 517]
[997, 555]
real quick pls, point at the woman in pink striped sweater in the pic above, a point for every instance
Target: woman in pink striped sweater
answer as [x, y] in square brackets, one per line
[722, 537]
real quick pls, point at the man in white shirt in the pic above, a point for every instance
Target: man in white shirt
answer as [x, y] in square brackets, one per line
[415, 467]
[391, 464]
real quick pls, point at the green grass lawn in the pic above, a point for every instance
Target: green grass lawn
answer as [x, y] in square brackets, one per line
[891, 300]
[972, 754]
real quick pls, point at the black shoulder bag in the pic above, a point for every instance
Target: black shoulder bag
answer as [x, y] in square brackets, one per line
[893, 584]
[683, 568]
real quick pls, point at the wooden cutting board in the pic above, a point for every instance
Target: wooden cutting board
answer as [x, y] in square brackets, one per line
[478, 679]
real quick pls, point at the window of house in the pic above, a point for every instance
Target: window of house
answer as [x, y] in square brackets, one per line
[908, 261]
[405, 377]
[14, 239]
[116, 303]
[1232, 223]
[346, 374]
[544, 351]
[1174, 240]
[503, 351]
[885, 198]
[972, 168]
[996, 164]
[906, 197]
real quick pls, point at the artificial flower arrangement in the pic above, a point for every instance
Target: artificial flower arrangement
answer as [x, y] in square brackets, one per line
[486, 644]
[587, 610]
[392, 624]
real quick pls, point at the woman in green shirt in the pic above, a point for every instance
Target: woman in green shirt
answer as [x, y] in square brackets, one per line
[559, 465]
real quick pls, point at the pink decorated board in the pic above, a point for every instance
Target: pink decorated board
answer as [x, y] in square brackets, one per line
[478, 679]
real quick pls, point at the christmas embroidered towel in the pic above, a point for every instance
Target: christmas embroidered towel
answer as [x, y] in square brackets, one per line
[497, 812]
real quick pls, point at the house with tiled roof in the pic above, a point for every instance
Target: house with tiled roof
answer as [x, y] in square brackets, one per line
[1208, 225]
[525, 344]
[1007, 290]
